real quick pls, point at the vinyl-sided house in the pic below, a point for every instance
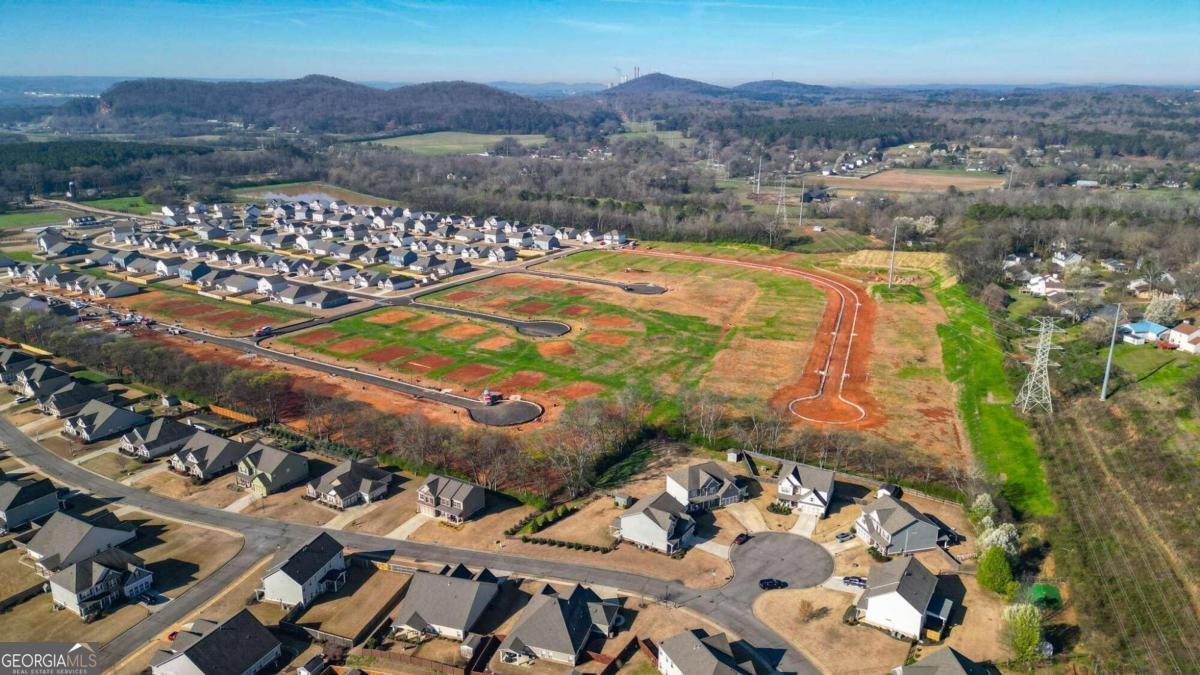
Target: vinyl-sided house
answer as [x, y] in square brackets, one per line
[102, 581]
[72, 397]
[701, 487]
[12, 363]
[894, 527]
[350, 483]
[161, 437]
[1185, 336]
[447, 604]
[40, 379]
[239, 645]
[557, 628]
[901, 598]
[1141, 332]
[807, 489]
[450, 499]
[660, 523]
[66, 539]
[205, 456]
[694, 651]
[945, 661]
[24, 501]
[99, 420]
[317, 567]
[266, 470]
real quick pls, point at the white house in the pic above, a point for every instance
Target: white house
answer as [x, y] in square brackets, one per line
[447, 604]
[660, 523]
[807, 489]
[704, 486]
[901, 598]
[1043, 285]
[1185, 336]
[317, 567]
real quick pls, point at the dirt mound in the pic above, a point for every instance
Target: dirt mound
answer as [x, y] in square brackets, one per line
[387, 354]
[610, 321]
[494, 343]
[532, 307]
[575, 310]
[428, 323]
[558, 348]
[316, 337]
[612, 339]
[390, 316]
[352, 345]
[470, 373]
[427, 362]
[462, 330]
[578, 390]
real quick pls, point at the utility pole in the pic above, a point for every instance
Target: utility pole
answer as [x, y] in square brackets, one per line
[1112, 346]
[802, 193]
[758, 174]
[892, 262]
[1035, 392]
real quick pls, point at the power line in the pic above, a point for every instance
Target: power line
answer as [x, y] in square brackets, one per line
[1035, 392]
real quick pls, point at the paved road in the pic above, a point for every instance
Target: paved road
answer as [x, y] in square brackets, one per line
[729, 606]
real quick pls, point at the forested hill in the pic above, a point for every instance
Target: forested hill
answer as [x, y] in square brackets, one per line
[325, 104]
[659, 85]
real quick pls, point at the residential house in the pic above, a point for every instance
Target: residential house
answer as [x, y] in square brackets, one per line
[805, 488]
[425, 264]
[168, 267]
[105, 289]
[450, 499]
[316, 567]
[66, 249]
[340, 272]
[1066, 259]
[72, 397]
[453, 267]
[494, 236]
[350, 483]
[81, 221]
[296, 294]
[660, 523]
[238, 284]
[1141, 332]
[239, 645]
[161, 437]
[272, 284]
[705, 486]
[66, 539]
[266, 470]
[396, 282]
[546, 242]
[1043, 285]
[213, 278]
[205, 456]
[12, 364]
[192, 270]
[142, 266]
[210, 232]
[98, 420]
[1114, 265]
[894, 527]
[557, 628]
[447, 605]
[326, 299]
[901, 598]
[1185, 336]
[944, 661]
[26, 500]
[365, 279]
[401, 257]
[694, 652]
[91, 586]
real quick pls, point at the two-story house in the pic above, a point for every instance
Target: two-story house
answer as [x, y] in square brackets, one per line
[350, 483]
[266, 470]
[239, 645]
[701, 487]
[91, 586]
[317, 567]
[26, 500]
[894, 527]
[161, 437]
[449, 499]
[805, 488]
[660, 523]
[206, 455]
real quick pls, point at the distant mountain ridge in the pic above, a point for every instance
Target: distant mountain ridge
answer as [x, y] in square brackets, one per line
[319, 103]
[663, 85]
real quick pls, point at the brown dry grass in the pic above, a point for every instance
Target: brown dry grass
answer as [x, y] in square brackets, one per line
[180, 555]
[347, 612]
[462, 330]
[494, 343]
[288, 506]
[216, 493]
[112, 465]
[831, 645]
[754, 368]
[390, 316]
[34, 621]
[385, 516]
[901, 180]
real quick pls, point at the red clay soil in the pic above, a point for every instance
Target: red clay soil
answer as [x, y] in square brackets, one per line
[247, 324]
[352, 345]
[470, 373]
[610, 321]
[462, 330]
[460, 296]
[228, 316]
[498, 303]
[427, 362]
[579, 291]
[532, 307]
[847, 378]
[578, 390]
[575, 310]
[176, 306]
[612, 339]
[494, 343]
[525, 379]
[552, 349]
[546, 285]
[389, 317]
[505, 281]
[387, 354]
[428, 323]
[316, 337]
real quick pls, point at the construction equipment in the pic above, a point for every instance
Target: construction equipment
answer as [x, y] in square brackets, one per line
[489, 397]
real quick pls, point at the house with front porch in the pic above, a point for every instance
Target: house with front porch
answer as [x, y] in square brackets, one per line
[705, 486]
[449, 499]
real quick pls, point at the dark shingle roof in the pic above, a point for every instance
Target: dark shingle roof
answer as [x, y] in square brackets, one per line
[309, 558]
[14, 493]
[231, 646]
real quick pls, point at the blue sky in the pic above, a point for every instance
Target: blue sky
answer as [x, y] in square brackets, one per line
[720, 41]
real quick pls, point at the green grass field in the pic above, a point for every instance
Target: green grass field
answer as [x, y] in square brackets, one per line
[634, 130]
[1153, 368]
[1000, 439]
[455, 142]
[132, 205]
[255, 194]
[22, 219]
[898, 293]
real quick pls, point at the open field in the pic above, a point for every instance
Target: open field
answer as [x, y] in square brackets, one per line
[1000, 439]
[309, 190]
[455, 142]
[133, 205]
[913, 180]
[33, 218]
[200, 312]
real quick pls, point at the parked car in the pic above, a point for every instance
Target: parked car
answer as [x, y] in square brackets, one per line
[22, 399]
[854, 581]
[771, 584]
[844, 536]
[741, 539]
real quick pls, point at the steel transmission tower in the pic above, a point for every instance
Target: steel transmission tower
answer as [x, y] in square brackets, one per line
[781, 220]
[1035, 392]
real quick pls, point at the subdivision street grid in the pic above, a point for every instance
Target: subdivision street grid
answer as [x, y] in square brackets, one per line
[794, 559]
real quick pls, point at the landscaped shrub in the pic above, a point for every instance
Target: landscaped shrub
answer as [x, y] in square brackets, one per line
[878, 555]
[781, 509]
[995, 574]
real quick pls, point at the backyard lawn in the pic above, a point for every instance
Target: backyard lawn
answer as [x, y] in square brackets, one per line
[133, 205]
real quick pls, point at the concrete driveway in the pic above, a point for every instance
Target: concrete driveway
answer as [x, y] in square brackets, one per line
[749, 516]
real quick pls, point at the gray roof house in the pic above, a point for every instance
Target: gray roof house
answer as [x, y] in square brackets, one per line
[316, 567]
[449, 499]
[296, 294]
[805, 488]
[93, 585]
[266, 470]
[160, 437]
[557, 629]
[896, 528]
[704, 486]
[945, 661]
[41, 378]
[695, 652]
[206, 455]
[104, 288]
[98, 420]
[350, 483]
[72, 397]
[901, 598]
[239, 645]
[447, 604]
[24, 501]
[660, 523]
[12, 363]
[66, 539]
[326, 299]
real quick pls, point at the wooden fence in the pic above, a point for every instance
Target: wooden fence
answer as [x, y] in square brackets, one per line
[424, 664]
[21, 596]
[233, 414]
